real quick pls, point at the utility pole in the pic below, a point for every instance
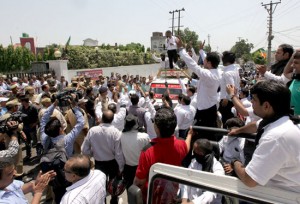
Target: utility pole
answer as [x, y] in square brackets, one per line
[208, 37]
[179, 19]
[172, 12]
[270, 9]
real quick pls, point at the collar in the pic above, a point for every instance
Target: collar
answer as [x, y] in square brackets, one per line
[163, 140]
[81, 181]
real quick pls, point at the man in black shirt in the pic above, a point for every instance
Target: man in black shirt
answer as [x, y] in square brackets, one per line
[30, 122]
[282, 56]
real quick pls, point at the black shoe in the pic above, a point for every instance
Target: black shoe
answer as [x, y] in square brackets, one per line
[39, 149]
[27, 158]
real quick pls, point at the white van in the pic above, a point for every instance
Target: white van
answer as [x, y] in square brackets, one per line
[158, 86]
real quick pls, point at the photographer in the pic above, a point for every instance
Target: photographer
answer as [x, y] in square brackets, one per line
[58, 146]
[11, 139]
[12, 107]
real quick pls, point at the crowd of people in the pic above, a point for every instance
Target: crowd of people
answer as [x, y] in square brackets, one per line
[88, 133]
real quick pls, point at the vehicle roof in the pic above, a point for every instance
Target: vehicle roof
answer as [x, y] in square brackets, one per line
[169, 80]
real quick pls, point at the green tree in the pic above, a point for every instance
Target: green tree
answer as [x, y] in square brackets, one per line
[242, 49]
[190, 38]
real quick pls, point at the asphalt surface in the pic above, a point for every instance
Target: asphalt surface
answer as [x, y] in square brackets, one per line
[32, 168]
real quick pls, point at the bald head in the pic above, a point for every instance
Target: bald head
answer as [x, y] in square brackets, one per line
[80, 165]
[107, 116]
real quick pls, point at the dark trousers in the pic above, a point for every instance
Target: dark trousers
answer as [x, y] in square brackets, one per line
[207, 117]
[249, 149]
[129, 174]
[173, 57]
[110, 169]
[226, 111]
[30, 136]
[183, 133]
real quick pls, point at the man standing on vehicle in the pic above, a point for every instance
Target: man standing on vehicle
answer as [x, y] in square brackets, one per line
[170, 45]
[275, 161]
[207, 87]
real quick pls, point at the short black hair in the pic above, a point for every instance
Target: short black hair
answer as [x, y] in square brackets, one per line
[52, 127]
[192, 89]
[213, 58]
[165, 120]
[274, 92]
[44, 87]
[81, 166]
[134, 98]
[286, 48]
[228, 57]
[88, 90]
[186, 100]
[245, 91]
[234, 122]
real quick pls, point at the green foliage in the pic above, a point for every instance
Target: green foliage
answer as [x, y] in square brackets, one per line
[15, 59]
[81, 57]
[189, 37]
[242, 50]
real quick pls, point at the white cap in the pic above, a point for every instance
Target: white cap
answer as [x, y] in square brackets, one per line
[3, 99]
[15, 78]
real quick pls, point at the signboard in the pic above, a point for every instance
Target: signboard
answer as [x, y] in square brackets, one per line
[170, 86]
[94, 74]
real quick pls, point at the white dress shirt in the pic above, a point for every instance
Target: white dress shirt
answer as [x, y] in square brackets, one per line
[208, 84]
[196, 195]
[119, 119]
[133, 143]
[91, 189]
[185, 115]
[171, 43]
[230, 76]
[103, 142]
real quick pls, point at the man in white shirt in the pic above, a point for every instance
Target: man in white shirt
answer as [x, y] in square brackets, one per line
[132, 142]
[230, 76]
[170, 45]
[119, 117]
[207, 87]
[185, 115]
[88, 186]
[103, 142]
[275, 161]
[204, 161]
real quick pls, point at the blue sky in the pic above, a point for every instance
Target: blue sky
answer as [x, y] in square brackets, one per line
[125, 21]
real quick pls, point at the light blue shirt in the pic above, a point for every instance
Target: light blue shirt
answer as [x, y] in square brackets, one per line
[13, 194]
[3, 111]
[69, 138]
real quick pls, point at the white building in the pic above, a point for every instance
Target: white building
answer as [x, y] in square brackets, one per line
[90, 42]
[157, 42]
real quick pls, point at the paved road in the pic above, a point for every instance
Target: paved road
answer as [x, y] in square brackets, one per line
[32, 168]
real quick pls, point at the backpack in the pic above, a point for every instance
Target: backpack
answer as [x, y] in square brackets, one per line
[54, 158]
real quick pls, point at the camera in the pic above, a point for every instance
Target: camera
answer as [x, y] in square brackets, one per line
[16, 116]
[64, 97]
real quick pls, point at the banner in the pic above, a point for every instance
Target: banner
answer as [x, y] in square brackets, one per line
[94, 74]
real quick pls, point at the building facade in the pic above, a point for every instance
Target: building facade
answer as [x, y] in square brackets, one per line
[157, 42]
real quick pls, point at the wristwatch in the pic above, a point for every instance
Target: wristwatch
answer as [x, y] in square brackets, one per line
[231, 96]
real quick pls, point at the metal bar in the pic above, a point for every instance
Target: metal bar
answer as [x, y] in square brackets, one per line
[224, 132]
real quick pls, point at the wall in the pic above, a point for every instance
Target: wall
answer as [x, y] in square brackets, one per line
[142, 70]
